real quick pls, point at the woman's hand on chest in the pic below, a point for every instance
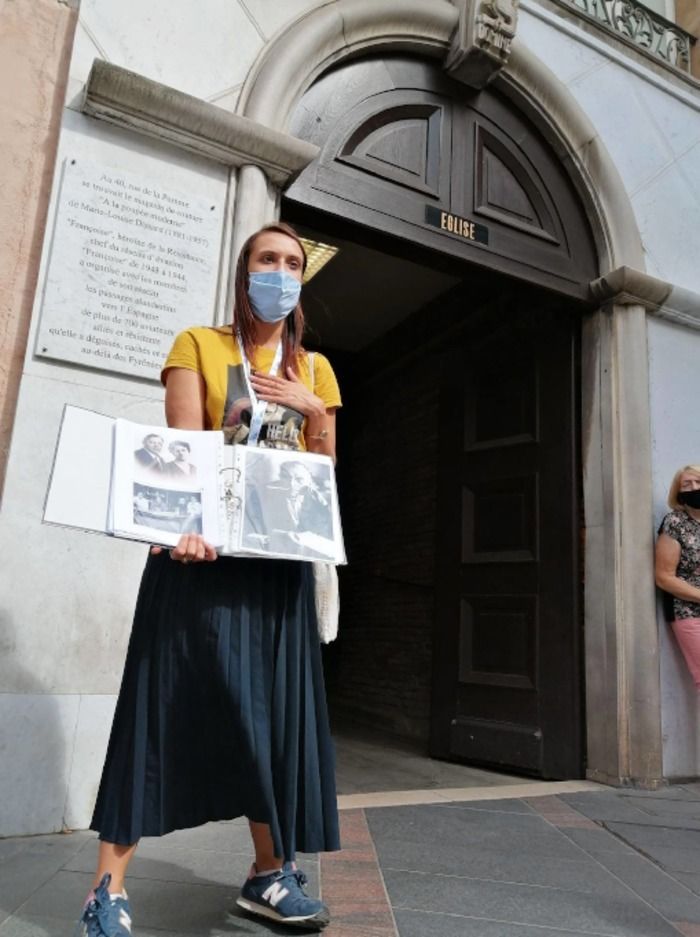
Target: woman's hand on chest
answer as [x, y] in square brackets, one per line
[289, 391]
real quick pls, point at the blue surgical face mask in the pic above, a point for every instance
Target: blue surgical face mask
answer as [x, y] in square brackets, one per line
[273, 295]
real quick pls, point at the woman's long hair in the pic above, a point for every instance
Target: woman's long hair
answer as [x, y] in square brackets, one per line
[243, 315]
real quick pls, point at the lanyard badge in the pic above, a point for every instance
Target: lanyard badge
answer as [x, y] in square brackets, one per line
[257, 407]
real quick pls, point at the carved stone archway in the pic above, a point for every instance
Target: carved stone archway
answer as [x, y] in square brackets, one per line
[289, 64]
[623, 694]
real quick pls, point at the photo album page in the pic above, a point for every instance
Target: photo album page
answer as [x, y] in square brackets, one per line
[154, 484]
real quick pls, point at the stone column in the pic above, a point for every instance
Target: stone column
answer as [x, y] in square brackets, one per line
[257, 203]
[640, 710]
[622, 648]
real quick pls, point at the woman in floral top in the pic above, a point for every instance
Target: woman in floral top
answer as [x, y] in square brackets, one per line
[678, 563]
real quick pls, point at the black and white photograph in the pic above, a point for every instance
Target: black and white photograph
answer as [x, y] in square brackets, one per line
[243, 500]
[148, 458]
[290, 513]
[164, 480]
[169, 461]
[176, 512]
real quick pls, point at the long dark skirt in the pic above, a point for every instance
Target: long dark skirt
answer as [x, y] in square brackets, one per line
[222, 709]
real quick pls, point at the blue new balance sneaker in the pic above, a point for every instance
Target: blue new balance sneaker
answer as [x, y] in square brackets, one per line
[105, 915]
[280, 897]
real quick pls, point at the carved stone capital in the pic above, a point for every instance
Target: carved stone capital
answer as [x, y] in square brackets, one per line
[626, 286]
[482, 42]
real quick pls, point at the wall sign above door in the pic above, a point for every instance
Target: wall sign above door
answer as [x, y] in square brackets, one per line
[456, 225]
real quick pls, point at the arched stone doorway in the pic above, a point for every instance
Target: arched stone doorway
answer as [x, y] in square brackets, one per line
[621, 644]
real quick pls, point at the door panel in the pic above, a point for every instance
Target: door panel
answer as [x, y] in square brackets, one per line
[506, 678]
[401, 144]
[499, 518]
[498, 641]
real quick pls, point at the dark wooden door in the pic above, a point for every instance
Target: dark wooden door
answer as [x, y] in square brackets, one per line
[406, 151]
[507, 682]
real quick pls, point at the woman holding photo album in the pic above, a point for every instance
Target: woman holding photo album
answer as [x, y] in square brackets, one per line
[222, 709]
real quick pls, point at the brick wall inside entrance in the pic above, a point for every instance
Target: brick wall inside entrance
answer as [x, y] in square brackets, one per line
[380, 670]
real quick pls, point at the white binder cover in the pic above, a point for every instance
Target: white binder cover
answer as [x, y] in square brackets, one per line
[152, 483]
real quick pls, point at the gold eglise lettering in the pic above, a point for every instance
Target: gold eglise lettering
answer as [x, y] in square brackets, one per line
[456, 225]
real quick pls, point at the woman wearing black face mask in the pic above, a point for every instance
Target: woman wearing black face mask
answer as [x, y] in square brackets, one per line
[678, 563]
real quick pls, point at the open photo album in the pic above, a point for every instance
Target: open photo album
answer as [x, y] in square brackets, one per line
[152, 483]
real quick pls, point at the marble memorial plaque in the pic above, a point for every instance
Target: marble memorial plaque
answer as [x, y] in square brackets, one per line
[132, 263]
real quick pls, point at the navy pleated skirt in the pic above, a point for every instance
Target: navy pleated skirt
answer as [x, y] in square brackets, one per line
[222, 709]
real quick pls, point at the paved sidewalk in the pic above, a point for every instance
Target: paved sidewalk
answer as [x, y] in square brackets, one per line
[543, 861]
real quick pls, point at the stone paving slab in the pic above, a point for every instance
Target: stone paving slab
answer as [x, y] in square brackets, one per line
[427, 924]
[643, 835]
[599, 842]
[669, 897]
[683, 810]
[226, 836]
[402, 766]
[175, 865]
[677, 813]
[161, 907]
[569, 865]
[463, 880]
[605, 807]
[37, 926]
[508, 805]
[177, 891]
[29, 861]
[684, 791]
[161, 904]
[158, 859]
[353, 886]
[688, 930]
[673, 859]
[467, 828]
[494, 865]
[689, 879]
[617, 916]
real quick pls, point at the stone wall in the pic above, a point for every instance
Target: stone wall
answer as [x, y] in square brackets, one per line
[673, 378]
[36, 37]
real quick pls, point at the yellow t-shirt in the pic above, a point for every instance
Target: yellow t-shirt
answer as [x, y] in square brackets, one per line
[214, 353]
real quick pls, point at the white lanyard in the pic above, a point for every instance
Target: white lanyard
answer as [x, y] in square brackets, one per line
[257, 407]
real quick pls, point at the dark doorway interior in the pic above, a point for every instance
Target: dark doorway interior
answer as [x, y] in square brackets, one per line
[441, 365]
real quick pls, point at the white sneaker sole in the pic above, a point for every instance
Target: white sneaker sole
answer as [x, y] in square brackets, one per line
[319, 920]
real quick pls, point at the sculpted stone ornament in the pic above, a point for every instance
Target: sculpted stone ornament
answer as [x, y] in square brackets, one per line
[482, 42]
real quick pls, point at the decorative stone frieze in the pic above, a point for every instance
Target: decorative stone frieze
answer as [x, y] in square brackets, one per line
[482, 43]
